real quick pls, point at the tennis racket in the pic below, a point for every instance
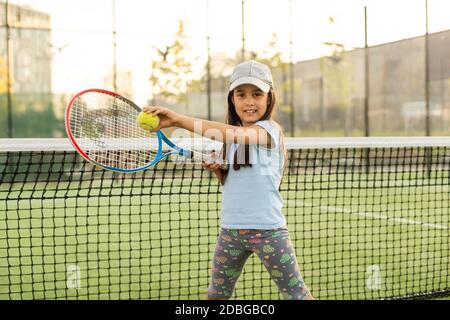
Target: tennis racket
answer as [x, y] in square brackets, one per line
[102, 126]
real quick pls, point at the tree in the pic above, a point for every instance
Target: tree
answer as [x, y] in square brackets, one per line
[171, 70]
[3, 76]
[273, 57]
[337, 70]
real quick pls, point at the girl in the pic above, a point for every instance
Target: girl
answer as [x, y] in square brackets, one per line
[251, 218]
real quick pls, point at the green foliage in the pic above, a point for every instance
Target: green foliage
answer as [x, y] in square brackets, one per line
[171, 69]
[3, 76]
[337, 71]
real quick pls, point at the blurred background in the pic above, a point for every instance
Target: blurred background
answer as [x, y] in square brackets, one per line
[341, 67]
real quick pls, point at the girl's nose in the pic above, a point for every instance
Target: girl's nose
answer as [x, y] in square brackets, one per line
[249, 100]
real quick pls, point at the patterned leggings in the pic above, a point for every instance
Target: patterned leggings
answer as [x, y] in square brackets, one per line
[274, 249]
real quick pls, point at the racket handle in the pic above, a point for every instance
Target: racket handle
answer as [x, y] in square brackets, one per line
[198, 156]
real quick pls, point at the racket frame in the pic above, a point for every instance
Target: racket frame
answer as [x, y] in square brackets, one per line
[159, 134]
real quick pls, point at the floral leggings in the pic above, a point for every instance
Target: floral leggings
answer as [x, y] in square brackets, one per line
[274, 249]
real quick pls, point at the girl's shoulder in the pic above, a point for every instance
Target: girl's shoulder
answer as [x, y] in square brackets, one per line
[270, 125]
[274, 129]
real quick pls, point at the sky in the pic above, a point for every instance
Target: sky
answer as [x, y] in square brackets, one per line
[83, 29]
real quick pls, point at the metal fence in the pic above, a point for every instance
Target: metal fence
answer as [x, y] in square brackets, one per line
[340, 69]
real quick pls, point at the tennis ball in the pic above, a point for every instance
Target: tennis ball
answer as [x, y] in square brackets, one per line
[148, 121]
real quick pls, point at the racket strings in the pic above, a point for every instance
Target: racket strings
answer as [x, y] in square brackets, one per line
[105, 127]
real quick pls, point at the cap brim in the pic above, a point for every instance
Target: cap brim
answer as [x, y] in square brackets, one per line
[250, 80]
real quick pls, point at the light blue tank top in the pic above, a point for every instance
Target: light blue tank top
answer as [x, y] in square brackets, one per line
[250, 197]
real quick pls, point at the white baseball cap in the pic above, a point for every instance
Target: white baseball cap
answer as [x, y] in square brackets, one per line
[252, 72]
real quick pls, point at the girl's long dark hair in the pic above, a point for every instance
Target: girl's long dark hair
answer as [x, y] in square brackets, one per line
[243, 151]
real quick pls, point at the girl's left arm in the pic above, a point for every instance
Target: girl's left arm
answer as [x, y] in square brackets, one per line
[211, 129]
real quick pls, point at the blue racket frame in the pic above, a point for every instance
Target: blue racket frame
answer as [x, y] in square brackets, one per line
[159, 154]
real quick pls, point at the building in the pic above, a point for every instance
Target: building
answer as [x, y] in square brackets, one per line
[27, 37]
[329, 92]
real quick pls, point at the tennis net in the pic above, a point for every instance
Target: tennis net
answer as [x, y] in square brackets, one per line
[369, 219]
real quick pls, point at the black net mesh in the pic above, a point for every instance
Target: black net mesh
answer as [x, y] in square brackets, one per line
[367, 223]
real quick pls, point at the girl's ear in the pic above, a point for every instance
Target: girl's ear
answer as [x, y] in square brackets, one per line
[232, 99]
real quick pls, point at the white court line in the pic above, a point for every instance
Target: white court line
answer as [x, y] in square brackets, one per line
[372, 215]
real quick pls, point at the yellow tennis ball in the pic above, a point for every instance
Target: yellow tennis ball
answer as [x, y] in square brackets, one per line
[148, 121]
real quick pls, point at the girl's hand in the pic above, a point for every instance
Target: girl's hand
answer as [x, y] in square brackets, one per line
[211, 166]
[167, 118]
[214, 166]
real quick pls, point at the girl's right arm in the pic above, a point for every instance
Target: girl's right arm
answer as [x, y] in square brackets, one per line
[211, 129]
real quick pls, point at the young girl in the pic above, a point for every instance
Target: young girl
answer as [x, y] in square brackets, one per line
[251, 218]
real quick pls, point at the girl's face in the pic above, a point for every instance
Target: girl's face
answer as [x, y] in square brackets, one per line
[250, 103]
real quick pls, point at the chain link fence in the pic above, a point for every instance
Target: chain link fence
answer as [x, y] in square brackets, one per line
[181, 53]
